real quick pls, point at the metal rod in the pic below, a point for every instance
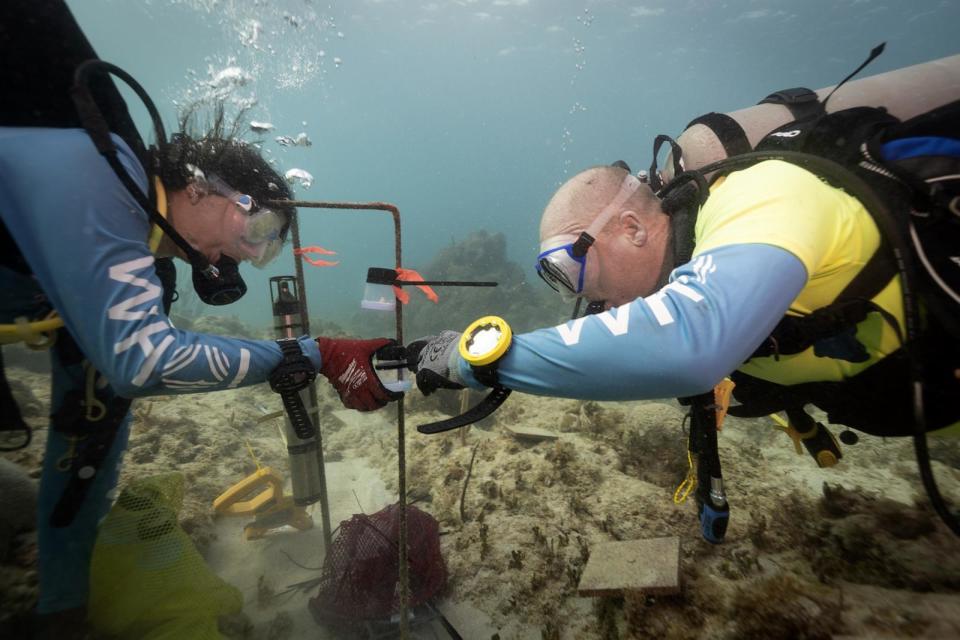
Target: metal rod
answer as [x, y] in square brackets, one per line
[443, 283]
[312, 390]
[404, 577]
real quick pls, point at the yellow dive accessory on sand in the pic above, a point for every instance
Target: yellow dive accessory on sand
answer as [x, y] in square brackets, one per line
[41, 334]
[261, 495]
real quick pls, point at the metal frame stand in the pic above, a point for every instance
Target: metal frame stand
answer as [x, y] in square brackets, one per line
[404, 578]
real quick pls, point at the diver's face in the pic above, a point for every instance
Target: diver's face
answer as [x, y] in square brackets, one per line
[613, 264]
[213, 224]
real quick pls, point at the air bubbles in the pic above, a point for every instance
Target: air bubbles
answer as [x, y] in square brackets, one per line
[299, 176]
[249, 33]
[301, 140]
[271, 47]
[586, 19]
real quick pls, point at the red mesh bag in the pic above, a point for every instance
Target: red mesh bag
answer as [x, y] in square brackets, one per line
[360, 577]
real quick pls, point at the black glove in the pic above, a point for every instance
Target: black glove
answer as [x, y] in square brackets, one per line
[435, 360]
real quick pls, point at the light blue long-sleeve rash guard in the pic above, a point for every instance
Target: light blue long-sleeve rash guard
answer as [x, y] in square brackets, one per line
[680, 341]
[85, 238]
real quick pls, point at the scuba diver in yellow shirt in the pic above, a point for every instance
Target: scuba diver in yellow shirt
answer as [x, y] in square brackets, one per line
[794, 269]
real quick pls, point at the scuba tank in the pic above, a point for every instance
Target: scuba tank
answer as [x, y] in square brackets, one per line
[904, 93]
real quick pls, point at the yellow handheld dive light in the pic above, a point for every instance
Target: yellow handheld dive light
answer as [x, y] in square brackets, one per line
[482, 345]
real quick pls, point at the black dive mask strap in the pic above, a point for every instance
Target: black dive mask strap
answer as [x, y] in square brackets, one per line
[584, 242]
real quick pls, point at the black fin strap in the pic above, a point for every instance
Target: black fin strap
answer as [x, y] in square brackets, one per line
[488, 405]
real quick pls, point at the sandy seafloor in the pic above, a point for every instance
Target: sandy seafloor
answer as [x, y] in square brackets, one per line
[867, 558]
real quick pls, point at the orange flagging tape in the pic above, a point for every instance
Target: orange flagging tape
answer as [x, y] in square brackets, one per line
[409, 275]
[317, 262]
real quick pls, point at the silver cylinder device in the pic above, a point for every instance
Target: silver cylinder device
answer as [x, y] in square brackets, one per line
[303, 454]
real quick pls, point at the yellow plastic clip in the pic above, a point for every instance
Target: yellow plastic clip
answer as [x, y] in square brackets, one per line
[96, 410]
[689, 483]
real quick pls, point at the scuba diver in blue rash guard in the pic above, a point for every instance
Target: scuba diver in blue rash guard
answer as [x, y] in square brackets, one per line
[78, 243]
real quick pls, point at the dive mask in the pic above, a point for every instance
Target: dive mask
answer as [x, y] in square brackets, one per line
[261, 236]
[562, 266]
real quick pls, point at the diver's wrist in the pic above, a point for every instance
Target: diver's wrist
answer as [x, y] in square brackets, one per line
[462, 373]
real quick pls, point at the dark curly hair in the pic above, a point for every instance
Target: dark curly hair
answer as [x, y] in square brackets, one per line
[218, 149]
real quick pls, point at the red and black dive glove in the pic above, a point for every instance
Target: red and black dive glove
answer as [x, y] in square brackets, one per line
[348, 365]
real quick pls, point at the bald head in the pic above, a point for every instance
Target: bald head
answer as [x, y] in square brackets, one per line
[581, 198]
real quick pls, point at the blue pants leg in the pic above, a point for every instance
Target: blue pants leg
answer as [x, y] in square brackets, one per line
[65, 552]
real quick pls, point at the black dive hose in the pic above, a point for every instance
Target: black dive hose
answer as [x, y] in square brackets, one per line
[890, 230]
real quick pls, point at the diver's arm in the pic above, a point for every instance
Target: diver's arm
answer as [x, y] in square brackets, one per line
[133, 343]
[676, 342]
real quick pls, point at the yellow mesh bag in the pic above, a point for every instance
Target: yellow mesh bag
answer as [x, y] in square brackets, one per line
[147, 580]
